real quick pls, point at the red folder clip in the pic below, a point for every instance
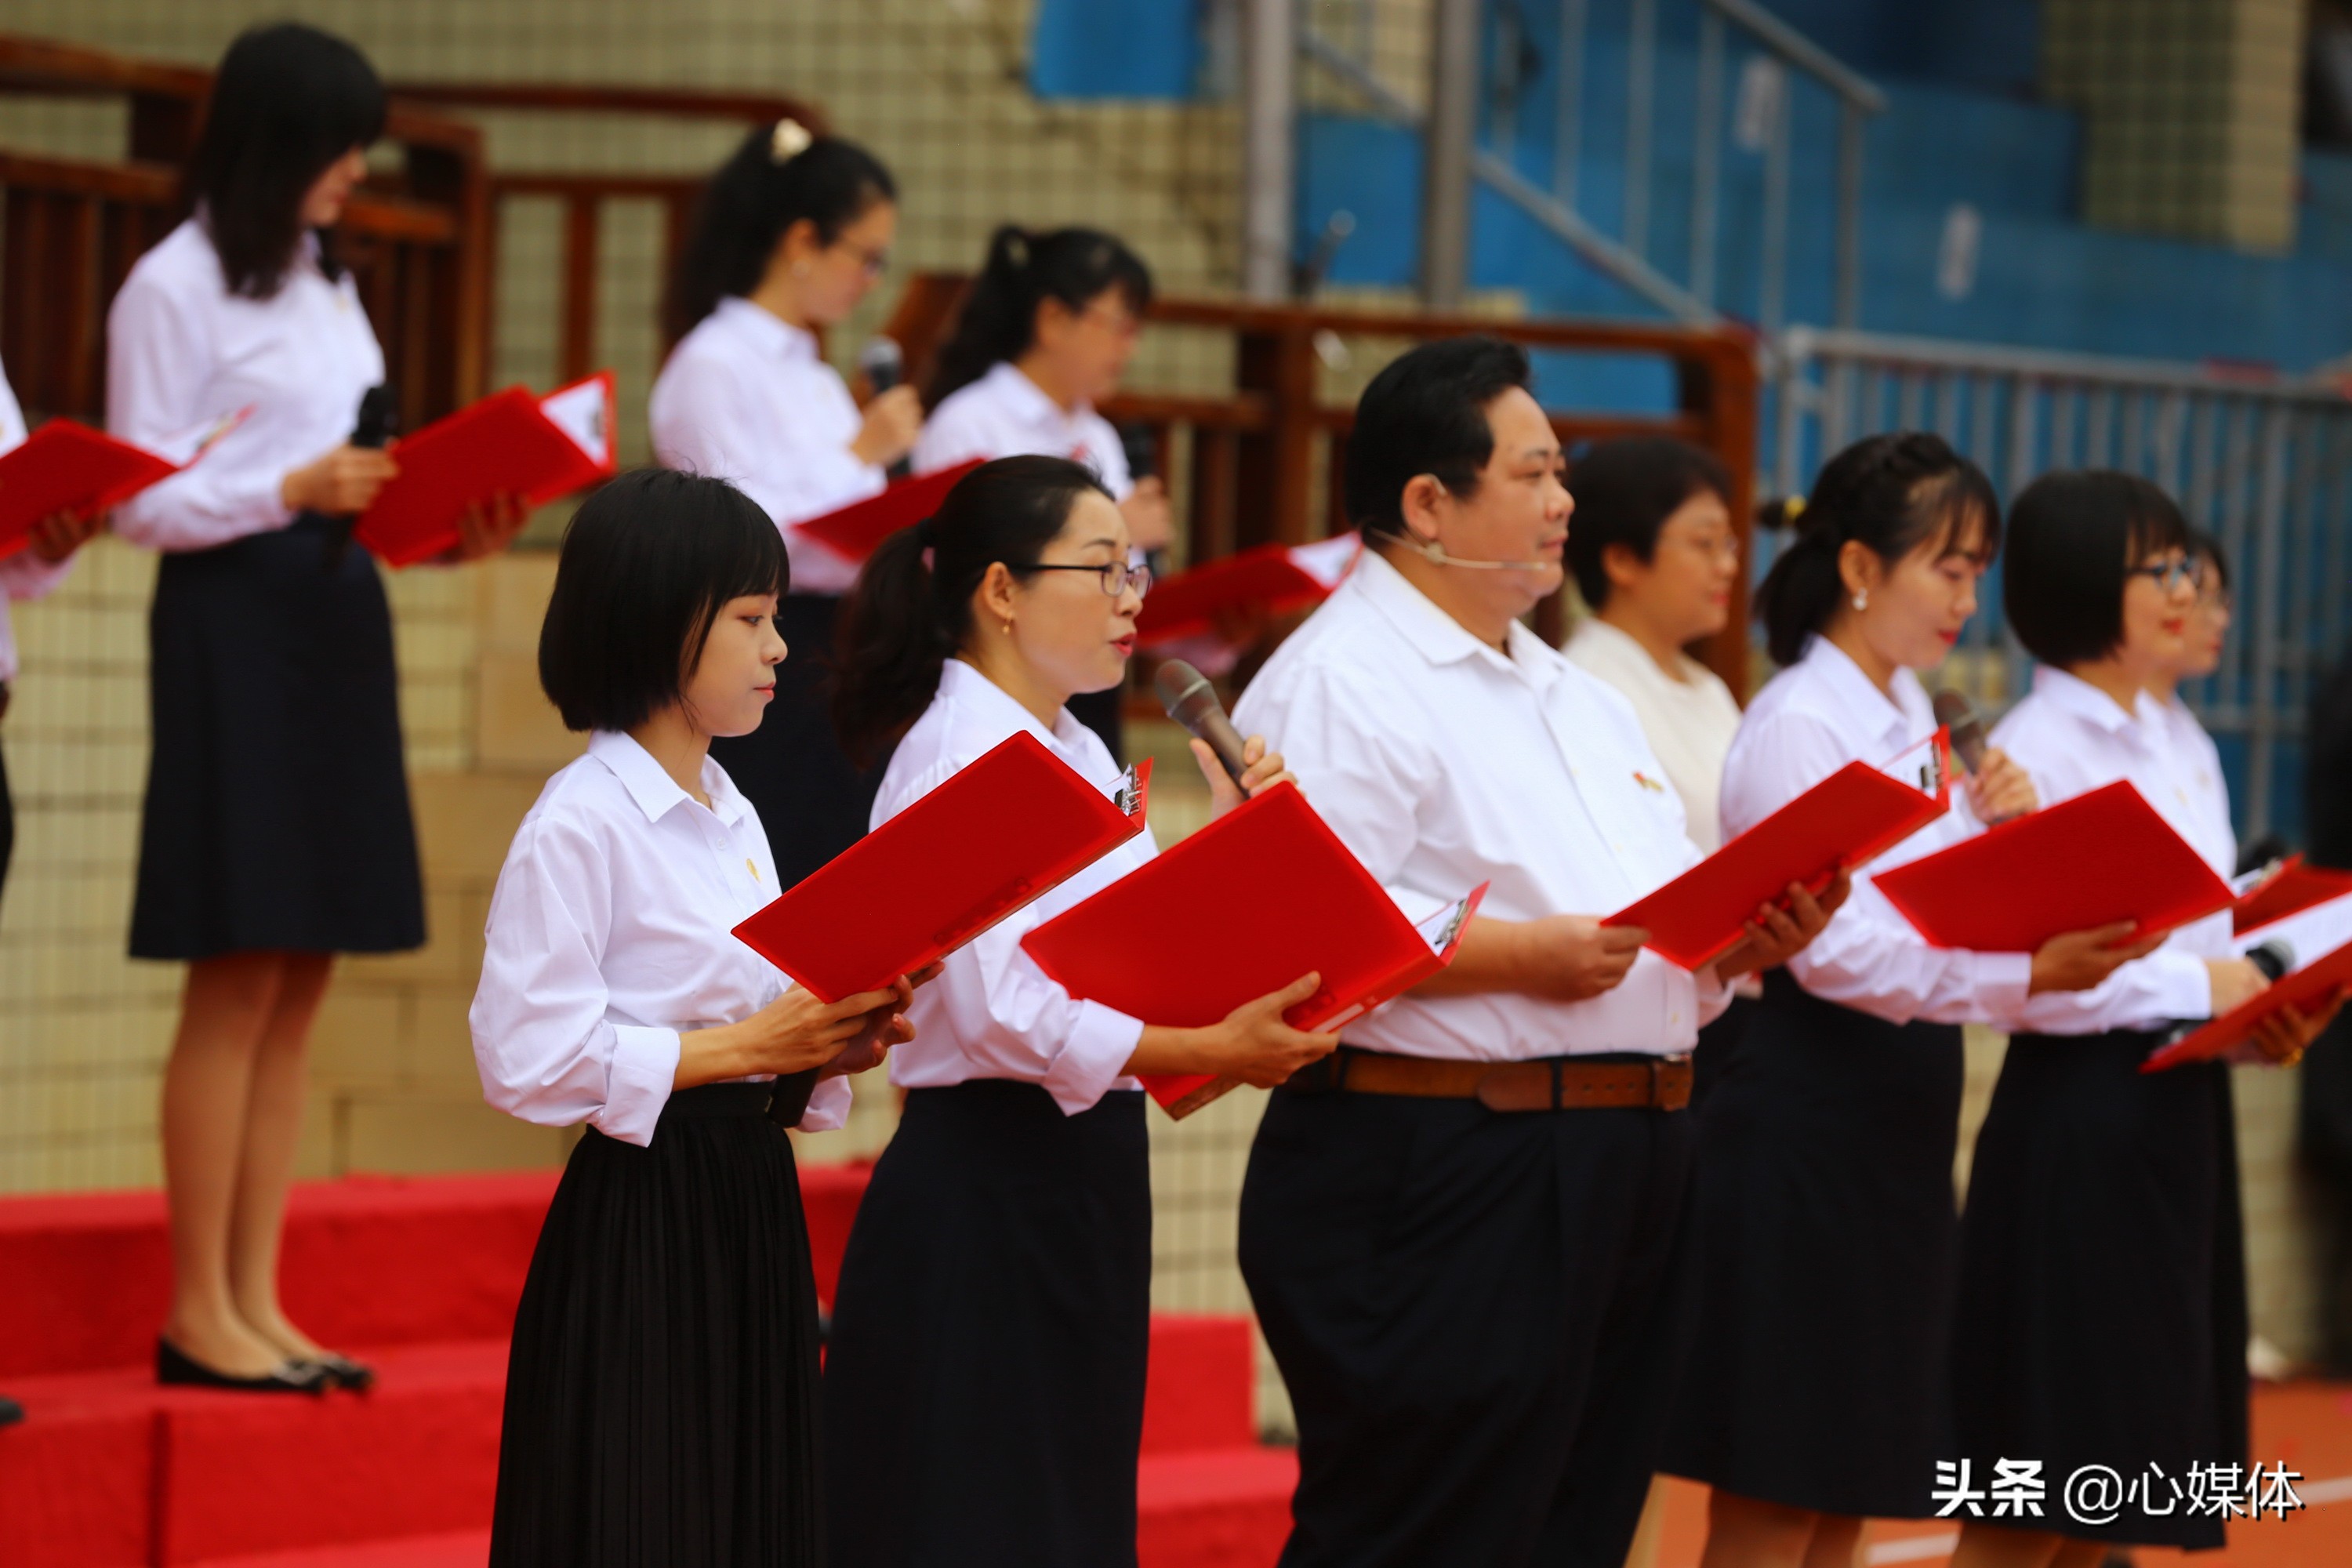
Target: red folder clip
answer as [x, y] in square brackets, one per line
[2290, 889]
[68, 467]
[1242, 907]
[513, 442]
[2309, 988]
[2101, 857]
[1009, 827]
[858, 530]
[1852, 816]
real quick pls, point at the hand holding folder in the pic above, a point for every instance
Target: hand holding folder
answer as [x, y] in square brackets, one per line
[1850, 817]
[858, 530]
[1005, 830]
[2101, 859]
[1263, 895]
[511, 442]
[2312, 990]
[65, 466]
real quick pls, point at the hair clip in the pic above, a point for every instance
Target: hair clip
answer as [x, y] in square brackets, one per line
[1792, 508]
[788, 141]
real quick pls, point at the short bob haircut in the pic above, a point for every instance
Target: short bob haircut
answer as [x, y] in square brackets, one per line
[1425, 412]
[287, 102]
[2074, 540]
[1624, 492]
[647, 563]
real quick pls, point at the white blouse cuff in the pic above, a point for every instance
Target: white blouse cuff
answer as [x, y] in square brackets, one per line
[1093, 1058]
[2003, 981]
[2182, 985]
[637, 1083]
[828, 1106]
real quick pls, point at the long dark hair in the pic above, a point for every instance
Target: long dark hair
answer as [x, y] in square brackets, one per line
[1892, 492]
[906, 618]
[999, 319]
[286, 101]
[775, 179]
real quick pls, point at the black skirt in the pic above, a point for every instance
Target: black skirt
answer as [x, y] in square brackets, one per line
[277, 815]
[983, 1382]
[1825, 1238]
[661, 1395]
[2103, 1290]
[812, 799]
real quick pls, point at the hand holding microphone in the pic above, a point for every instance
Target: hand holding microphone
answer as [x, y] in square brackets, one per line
[1998, 788]
[1235, 768]
[894, 418]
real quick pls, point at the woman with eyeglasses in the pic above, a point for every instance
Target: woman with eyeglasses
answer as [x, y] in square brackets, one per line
[793, 232]
[1045, 334]
[983, 1399]
[2101, 1307]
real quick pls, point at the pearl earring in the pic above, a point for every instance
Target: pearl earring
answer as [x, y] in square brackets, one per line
[1862, 600]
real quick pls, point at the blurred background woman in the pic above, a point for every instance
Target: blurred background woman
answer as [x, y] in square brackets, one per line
[275, 832]
[792, 232]
[1045, 334]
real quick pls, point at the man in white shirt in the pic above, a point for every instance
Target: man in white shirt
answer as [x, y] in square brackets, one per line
[1462, 1233]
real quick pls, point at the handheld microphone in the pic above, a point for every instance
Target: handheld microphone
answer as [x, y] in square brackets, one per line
[371, 427]
[1193, 703]
[1142, 453]
[1958, 714]
[885, 366]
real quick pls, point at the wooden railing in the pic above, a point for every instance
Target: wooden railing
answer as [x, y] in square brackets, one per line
[1256, 455]
[417, 240]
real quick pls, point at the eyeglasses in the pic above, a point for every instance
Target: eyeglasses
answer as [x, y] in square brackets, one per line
[1117, 576]
[873, 263]
[2170, 574]
[1724, 546]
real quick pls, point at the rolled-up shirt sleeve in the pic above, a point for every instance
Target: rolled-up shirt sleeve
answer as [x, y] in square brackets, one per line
[546, 1047]
[828, 1106]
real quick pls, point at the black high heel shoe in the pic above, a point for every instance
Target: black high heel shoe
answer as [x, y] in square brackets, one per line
[342, 1371]
[175, 1368]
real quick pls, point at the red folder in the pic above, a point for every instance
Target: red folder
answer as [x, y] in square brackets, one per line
[1242, 907]
[2290, 889]
[1850, 817]
[1011, 826]
[1273, 579]
[67, 466]
[512, 442]
[2309, 988]
[858, 530]
[2098, 858]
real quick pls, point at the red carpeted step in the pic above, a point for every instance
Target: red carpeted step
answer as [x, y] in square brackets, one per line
[1201, 1389]
[1227, 1507]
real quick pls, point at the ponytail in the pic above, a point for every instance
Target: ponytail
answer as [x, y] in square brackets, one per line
[1894, 493]
[999, 319]
[907, 615]
[780, 175]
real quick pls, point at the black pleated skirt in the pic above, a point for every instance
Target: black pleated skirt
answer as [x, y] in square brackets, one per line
[1826, 1235]
[2103, 1290]
[812, 799]
[277, 815]
[661, 1395]
[983, 1393]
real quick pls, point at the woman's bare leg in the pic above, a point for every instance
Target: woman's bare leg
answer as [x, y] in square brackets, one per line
[1990, 1546]
[273, 1134]
[1836, 1542]
[1748, 1532]
[225, 1010]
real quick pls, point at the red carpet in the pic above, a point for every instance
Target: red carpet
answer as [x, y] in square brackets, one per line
[421, 1277]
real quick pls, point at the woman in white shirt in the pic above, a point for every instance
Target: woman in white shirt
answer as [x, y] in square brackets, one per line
[660, 1399]
[1814, 1392]
[2102, 1308]
[1043, 335]
[984, 1377]
[276, 831]
[793, 233]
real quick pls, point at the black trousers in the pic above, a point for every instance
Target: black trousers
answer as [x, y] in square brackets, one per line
[812, 799]
[1474, 1312]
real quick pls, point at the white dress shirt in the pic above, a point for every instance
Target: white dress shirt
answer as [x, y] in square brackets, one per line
[1006, 414]
[2197, 762]
[745, 397]
[993, 1013]
[23, 576]
[1688, 722]
[1809, 720]
[183, 353]
[1442, 763]
[611, 934]
[2071, 737]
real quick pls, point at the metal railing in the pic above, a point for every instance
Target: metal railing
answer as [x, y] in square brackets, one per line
[2265, 465]
[1544, 177]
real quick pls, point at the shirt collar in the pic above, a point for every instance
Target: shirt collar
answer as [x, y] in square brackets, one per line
[656, 793]
[1854, 691]
[1438, 637]
[766, 330]
[964, 684]
[1025, 400]
[2072, 694]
